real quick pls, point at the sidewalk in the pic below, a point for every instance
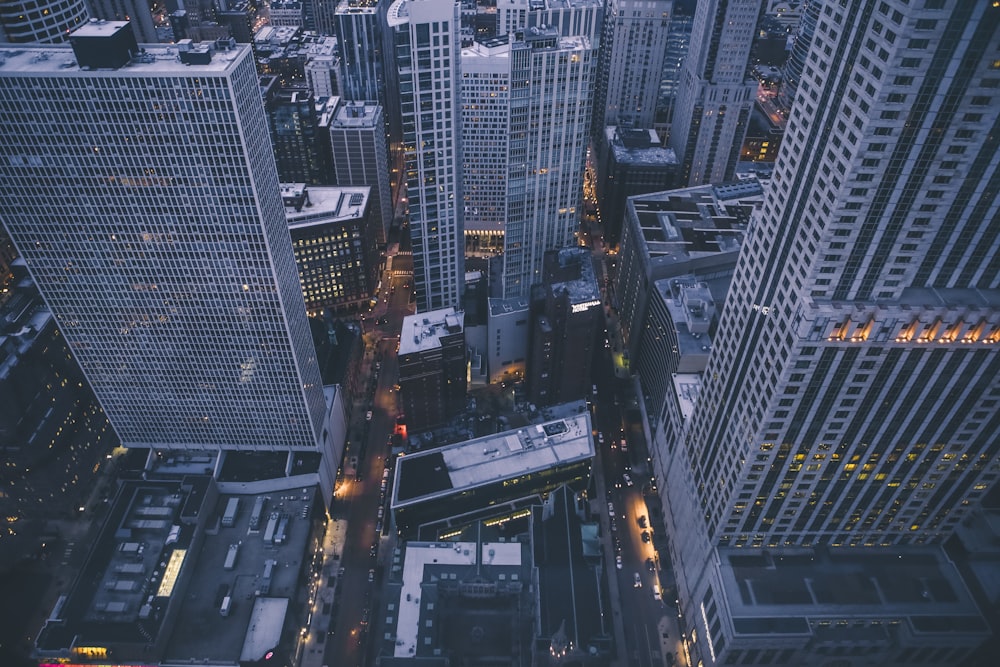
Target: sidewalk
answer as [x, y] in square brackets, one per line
[313, 652]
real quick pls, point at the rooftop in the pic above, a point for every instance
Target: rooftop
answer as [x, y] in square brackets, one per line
[791, 591]
[641, 147]
[357, 114]
[158, 59]
[444, 471]
[678, 225]
[422, 564]
[572, 271]
[517, 304]
[319, 205]
[423, 331]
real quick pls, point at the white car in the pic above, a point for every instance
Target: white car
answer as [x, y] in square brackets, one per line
[627, 478]
[636, 580]
[611, 510]
[618, 561]
[368, 416]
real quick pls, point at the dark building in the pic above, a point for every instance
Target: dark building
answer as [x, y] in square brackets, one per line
[334, 244]
[433, 370]
[631, 162]
[497, 476]
[302, 150]
[53, 434]
[565, 312]
[767, 127]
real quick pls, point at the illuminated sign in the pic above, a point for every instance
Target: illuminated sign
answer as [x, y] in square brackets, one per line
[586, 305]
[170, 573]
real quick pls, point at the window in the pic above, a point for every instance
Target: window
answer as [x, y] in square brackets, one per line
[926, 24]
[919, 43]
[910, 63]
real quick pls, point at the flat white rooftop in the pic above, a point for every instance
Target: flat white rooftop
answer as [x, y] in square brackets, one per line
[447, 470]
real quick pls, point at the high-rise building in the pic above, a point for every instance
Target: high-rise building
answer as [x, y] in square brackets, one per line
[634, 45]
[427, 68]
[678, 42]
[45, 21]
[141, 192]
[848, 413]
[301, 145]
[287, 13]
[485, 143]
[360, 35]
[715, 94]
[357, 138]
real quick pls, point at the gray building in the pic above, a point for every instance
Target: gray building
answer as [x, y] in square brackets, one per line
[848, 411]
[360, 157]
[715, 93]
[433, 368]
[630, 162]
[696, 232]
[164, 257]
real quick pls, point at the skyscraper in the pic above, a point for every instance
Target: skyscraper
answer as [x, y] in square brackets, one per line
[635, 43]
[849, 408]
[426, 38]
[360, 35]
[141, 191]
[357, 137]
[45, 21]
[715, 94]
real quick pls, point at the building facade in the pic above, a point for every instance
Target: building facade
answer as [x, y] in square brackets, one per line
[565, 314]
[715, 94]
[357, 137]
[433, 368]
[850, 403]
[164, 256]
[427, 68]
[335, 247]
[635, 43]
[302, 149]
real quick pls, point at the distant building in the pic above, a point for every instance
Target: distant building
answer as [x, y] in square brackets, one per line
[286, 52]
[508, 331]
[566, 312]
[630, 162]
[288, 12]
[442, 490]
[334, 244]
[678, 42]
[433, 368]
[43, 21]
[360, 157]
[715, 93]
[633, 47]
[302, 150]
[767, 127]
[694, 232]
[430, 109]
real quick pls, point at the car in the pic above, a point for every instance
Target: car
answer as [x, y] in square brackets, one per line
[611, 510]
[368, 416]
[642, 521]
[656, 592]
[618, 545]
[645, 536]
[627, 478]
[600, 439]
[371, 575]
[595, 390]
[373, 550]
[618, 561]
[650, 565]
[636, 580]
[624, 445]
[614, 526]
